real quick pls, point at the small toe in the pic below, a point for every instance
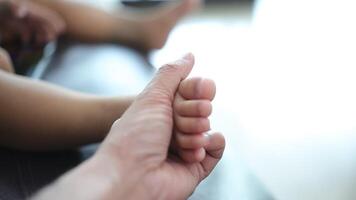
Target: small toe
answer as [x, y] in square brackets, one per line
[188, 141]
[191, 124]
[192, 156]
[193, 108]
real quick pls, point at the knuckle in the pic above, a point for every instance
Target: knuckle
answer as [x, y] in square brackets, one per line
[154, 96]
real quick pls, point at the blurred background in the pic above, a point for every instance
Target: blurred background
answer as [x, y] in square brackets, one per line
[212, 34]
[286, 91]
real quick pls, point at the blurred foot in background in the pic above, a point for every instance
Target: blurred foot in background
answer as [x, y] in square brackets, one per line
[142, 28]
[27, 26]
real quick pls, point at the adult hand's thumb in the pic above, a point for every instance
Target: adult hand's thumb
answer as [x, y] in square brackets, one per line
[169, 77]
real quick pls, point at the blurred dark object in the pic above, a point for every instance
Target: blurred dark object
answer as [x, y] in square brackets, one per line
[23, 57]
[17, 39]
[142, 3]
[152, 3]
[24, 173]
[25, 30]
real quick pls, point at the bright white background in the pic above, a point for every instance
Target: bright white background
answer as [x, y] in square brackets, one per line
[286, 92]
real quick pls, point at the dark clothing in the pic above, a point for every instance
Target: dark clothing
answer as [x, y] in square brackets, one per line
[24, 173]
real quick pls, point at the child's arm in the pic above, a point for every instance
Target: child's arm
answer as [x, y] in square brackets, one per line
[39, 116]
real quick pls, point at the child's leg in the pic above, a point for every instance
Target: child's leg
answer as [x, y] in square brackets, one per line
[144, 30]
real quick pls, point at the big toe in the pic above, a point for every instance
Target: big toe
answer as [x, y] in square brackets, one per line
[197, 88]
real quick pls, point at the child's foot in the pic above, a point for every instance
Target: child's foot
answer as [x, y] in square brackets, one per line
[152, 30]
[192, 107]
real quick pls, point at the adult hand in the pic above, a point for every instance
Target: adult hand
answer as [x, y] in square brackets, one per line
[29, 22]
[141, 139]
[134, 161]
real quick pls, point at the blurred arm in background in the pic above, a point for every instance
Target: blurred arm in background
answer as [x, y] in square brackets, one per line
[35, 115]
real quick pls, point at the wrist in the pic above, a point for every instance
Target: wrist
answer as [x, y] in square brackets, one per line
[90, 180]
[131, 175]
[103, 177]
[118, 179]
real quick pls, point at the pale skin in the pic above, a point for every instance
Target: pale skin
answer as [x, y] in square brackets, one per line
[134, 161]
[192, 107]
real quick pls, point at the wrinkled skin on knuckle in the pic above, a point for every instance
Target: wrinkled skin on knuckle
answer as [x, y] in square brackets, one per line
[168, 68]
[155, 100]
[146, 130]
[156, 96]
[160, 88]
